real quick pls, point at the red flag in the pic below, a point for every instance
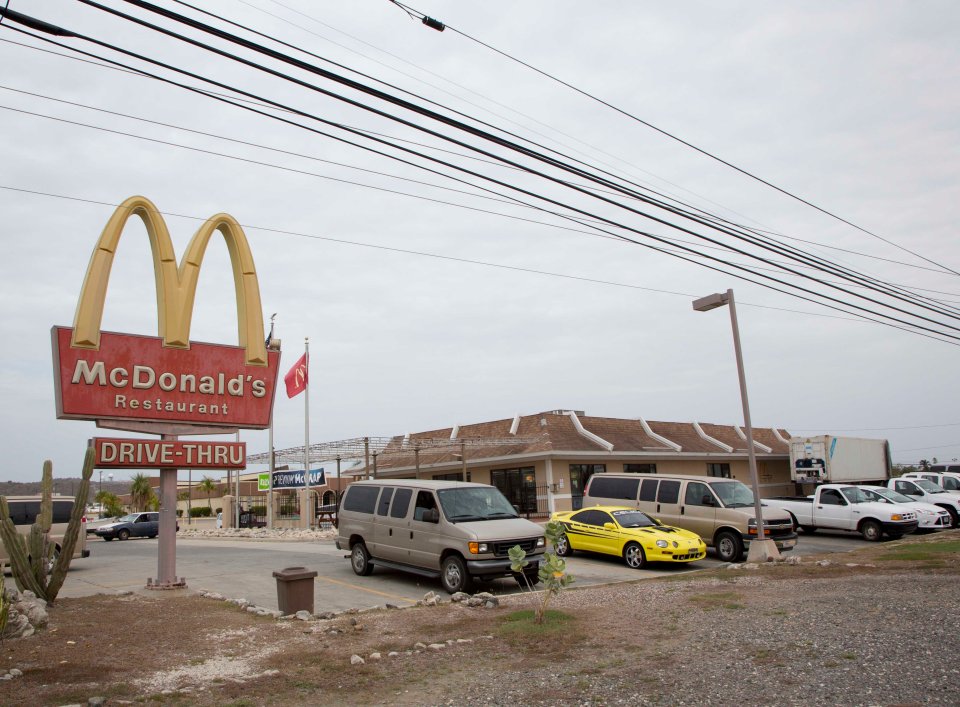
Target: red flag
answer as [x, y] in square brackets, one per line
[296, 378]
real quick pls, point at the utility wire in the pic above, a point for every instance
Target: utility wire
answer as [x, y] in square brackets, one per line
[527, 192]
[419, 15]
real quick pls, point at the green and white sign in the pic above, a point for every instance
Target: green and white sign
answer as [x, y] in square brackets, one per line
[263, 481]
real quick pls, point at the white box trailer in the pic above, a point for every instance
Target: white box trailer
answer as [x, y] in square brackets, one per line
[827, 459]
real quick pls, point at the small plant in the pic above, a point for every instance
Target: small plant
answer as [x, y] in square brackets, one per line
[553, 570]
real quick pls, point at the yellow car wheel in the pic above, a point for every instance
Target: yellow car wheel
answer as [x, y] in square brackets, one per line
[634, 556]
[563, 546]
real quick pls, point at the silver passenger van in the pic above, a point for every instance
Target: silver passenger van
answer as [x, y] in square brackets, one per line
[721, 511]
[456, 531]
[24, 511]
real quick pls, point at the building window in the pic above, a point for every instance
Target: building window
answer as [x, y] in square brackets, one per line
[721, 470]
[453, 476]
[579, 475]
[518, 485]
[640, 468]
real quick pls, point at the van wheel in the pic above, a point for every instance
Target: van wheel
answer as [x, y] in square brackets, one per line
[453, 575]
[360, 560]
[871, 531]
[563, 546]
[729, 546]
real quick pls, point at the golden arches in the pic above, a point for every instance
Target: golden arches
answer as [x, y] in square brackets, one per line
[176, 286]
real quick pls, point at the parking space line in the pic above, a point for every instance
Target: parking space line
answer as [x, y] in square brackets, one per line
[351, 585]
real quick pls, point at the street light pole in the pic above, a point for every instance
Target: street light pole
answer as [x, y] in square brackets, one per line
[762, 548]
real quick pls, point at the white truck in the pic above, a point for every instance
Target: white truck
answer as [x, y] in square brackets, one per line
[920, 489]
[844, 507]
[825, 459]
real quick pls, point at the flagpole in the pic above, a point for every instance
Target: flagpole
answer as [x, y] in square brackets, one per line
[306, 431]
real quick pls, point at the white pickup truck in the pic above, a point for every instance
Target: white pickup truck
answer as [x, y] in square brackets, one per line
[844, 507]
[925, 490]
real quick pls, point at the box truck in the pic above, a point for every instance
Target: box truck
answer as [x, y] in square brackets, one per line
[840, 460]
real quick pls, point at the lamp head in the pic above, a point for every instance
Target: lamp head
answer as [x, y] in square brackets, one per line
[705, 304]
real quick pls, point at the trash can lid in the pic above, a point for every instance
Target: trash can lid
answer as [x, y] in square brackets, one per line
[290, 573]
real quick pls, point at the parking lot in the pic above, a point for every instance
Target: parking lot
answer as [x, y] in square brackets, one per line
[243, 569]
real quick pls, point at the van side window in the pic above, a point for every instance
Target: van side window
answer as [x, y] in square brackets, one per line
[385, 497]
[425, 502]
[648, 489]
[605, 487]
[669, 491]
[62, 511]
[361, 498]
[696, 493]
[401, 503]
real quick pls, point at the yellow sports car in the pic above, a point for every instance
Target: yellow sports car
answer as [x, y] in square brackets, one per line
[628, 533]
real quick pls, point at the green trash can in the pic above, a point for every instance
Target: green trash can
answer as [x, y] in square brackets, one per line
[295, 589]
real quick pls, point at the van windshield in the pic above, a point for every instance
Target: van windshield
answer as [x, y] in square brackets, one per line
[473, 503]
[732, 494]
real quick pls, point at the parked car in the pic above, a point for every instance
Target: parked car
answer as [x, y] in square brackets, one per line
[948, 480]
[453, 530]
[929, 516]
[628, 533]
[92, 525]
[844, 507]
[923, 490]
[134, 525]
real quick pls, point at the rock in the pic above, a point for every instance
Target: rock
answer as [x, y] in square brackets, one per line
[6, 676]
[356, 660]
[437, 646]
[326, 615]
[392, 654]
[304, 615]
[793, 560]
[252, 609]
[750, 566]
[464, 640]
[419, 646]
[431, 599]
[14, 672]
[823, 563]
[96, 701]
[375, 656]
[271, 673]
[391, 606]
[459, 596]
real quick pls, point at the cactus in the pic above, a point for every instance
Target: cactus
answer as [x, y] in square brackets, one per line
[30, 556]
[4, 606]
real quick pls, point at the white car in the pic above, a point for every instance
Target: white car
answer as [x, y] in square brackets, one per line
[929, 516]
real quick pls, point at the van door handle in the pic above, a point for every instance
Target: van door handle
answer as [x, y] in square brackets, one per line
[682, 509]
[411, 535]
[658, 508]
[391, 532]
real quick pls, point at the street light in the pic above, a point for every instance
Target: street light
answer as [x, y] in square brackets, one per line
[762, 548]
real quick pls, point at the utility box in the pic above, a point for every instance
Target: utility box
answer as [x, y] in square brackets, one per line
[295, 589]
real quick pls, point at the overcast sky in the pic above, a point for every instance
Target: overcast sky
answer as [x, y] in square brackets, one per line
[854, 106]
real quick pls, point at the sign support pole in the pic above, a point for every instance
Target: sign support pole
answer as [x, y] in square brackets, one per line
[167, 546]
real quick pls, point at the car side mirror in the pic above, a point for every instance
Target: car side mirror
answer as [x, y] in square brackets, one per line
[609, 526]
[431, 516]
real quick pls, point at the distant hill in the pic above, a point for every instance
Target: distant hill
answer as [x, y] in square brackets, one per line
[66, 487]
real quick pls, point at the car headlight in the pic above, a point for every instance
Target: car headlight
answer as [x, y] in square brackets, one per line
[662, 543]
[896, 516]
[477, 548]
[541, 541]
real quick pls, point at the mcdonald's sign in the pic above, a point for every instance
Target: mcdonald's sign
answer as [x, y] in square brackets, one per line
[111, 376]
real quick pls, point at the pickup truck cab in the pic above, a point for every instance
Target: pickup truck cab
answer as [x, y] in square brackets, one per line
[844, 507]
[923, 490]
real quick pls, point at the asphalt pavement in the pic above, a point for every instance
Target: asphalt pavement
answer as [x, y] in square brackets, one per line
[243, 569]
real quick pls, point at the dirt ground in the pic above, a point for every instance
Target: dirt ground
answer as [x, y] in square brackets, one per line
[168, 648]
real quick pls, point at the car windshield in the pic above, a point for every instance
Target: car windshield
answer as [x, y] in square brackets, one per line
[855, 494]
[928, 486]
[892, 496]
[475, 503]
[733, 494]
[634, 519]
[128, 518]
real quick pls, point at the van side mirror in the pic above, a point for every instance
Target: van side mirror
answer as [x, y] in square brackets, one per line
[431, 516]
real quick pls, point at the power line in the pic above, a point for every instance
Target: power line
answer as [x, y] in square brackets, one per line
[527, 192]
[690, 145]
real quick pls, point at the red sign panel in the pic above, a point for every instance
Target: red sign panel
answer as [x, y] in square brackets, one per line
[153, 454]
[138, 378]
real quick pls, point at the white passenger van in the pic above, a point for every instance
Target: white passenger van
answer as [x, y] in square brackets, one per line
[456, 531]
[24, 511]
[721, 511]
